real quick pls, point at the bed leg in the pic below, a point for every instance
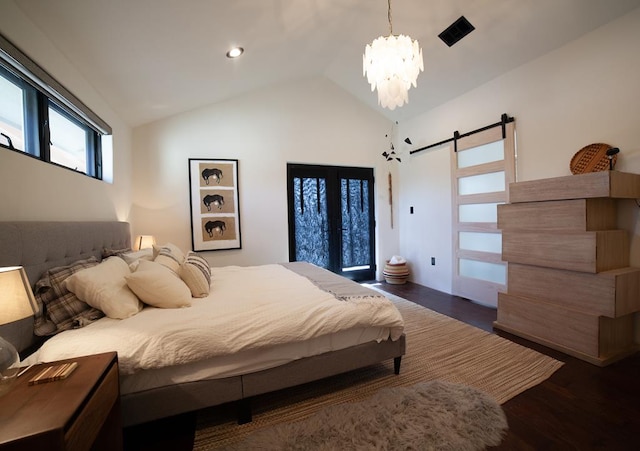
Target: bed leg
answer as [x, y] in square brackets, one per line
[396, 364]
[244, 411]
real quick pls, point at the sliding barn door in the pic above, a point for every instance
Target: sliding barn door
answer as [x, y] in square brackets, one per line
[482, 168]
[331, 218]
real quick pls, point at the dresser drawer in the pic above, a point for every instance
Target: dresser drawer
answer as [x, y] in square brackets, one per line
[570, 329]
[567, 215]
[590, 252]
[595, 338]
[611, 293]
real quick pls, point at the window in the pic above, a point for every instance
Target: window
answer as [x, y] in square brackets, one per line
[11, 111]
[40, 118]
[71, 142]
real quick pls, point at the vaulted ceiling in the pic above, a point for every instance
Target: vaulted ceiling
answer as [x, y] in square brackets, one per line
[155, 58]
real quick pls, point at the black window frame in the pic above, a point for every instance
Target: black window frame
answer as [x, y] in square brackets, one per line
[93, 141]
[41, 92]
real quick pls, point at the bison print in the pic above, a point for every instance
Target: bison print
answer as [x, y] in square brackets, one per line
[213, 173]
[216, 200]
[215, 215]
[215, 227]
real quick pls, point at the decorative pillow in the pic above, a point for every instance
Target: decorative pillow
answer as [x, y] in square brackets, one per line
[168, 255]
[158, 286]
[104, 287]
[58, 308]
[196, 273]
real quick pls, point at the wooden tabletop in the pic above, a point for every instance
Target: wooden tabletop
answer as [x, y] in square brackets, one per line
[29, 410]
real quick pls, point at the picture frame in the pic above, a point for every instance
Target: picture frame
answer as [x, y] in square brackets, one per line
[215, 204]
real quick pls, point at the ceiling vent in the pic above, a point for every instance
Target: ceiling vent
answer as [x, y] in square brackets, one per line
[456, 31]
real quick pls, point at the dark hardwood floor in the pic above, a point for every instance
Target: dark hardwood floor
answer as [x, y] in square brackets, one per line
[580, 407]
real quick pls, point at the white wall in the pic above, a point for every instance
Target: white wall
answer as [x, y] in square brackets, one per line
[582, 93]
[310, 121]
[33, 190]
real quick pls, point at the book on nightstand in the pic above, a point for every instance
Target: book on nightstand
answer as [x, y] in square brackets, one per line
[53, 373]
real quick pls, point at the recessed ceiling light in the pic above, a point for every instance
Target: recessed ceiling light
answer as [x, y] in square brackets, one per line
[235, 52]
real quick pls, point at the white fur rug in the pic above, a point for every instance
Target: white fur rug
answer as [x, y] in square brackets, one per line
[433, 415]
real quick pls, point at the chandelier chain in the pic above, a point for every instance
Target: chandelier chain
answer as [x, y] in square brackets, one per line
[389, 17]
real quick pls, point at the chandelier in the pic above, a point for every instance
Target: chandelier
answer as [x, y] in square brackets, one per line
[392, 65]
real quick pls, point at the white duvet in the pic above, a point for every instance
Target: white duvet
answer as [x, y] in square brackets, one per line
[248, 308]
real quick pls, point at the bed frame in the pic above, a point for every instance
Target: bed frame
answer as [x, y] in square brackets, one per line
[39, 246]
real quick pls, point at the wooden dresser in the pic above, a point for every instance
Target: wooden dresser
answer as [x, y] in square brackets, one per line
[81, 412]
[570, 286]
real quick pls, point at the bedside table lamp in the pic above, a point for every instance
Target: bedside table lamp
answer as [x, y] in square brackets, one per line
[16, 303]
[144, 242]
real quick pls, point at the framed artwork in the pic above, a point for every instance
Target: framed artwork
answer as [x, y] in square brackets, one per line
[215, 206]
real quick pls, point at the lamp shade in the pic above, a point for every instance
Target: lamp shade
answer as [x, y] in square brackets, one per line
[16, 297]
[16, 303]
[144, 241]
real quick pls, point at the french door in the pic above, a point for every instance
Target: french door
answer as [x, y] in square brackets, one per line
[483, 165]
[331, 218]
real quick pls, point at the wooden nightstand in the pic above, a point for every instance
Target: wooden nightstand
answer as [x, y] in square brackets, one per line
[80, 412]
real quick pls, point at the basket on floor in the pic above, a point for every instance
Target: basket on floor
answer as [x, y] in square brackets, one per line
[395, 273]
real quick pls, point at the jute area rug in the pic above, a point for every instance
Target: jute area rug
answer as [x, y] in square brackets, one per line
[438, 348]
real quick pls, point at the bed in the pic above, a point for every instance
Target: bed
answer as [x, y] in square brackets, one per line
[230, 365]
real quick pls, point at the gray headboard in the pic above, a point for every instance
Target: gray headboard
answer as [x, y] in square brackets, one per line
[39, 246]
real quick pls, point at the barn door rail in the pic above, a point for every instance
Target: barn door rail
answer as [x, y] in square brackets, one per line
[504, 120]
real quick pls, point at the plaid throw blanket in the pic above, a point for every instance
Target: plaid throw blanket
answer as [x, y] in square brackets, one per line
[58, 308]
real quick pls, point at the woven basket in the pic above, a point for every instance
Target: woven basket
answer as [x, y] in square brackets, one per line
[395, 273]
[591, 158]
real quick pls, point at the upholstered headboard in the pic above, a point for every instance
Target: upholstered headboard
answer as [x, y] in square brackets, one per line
[39, 246]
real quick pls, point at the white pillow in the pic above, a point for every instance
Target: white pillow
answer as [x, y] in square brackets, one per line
[196, 273]
[158, 286]
[104, 287]
[168, 255]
